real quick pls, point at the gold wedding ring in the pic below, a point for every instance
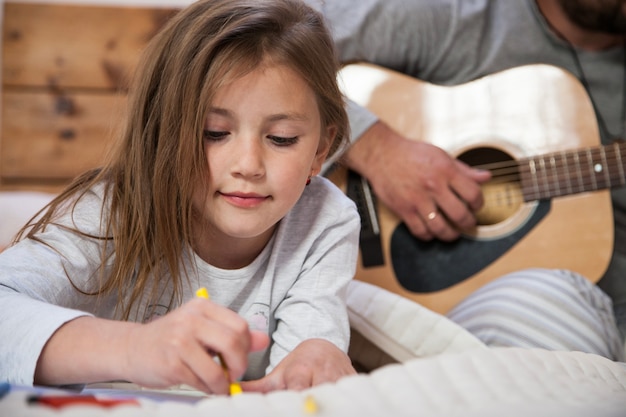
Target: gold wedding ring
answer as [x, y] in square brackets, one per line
[431, 215]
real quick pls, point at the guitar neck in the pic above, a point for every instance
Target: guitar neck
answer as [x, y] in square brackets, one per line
[570, 172]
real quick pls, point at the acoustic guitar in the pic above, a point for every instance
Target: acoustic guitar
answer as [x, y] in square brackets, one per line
[547, 205]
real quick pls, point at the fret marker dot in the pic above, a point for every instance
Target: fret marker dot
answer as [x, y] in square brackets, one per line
[597, 167]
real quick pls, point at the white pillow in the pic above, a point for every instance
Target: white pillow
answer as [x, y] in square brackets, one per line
[16, 208]
[387, 327]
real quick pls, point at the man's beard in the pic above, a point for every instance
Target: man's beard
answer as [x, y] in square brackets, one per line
[608, 16]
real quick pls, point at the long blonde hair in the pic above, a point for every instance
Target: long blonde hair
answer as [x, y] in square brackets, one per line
[159, 158]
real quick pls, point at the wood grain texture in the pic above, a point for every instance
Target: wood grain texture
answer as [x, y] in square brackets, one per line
[39, 142]
[71, 46]
[65, 72]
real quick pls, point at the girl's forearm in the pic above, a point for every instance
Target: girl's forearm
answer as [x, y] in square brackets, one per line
[85, 350]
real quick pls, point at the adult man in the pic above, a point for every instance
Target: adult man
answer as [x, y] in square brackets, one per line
[455, 41]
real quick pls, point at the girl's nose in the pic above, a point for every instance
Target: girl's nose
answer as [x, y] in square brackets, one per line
[248, 158]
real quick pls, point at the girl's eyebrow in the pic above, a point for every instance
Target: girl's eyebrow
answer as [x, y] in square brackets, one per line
[289, 116]
[220, 111]
[295, 116]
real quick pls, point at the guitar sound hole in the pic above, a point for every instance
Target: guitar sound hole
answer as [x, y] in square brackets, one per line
[502, 195]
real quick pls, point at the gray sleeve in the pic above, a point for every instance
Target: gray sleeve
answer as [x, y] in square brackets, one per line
[37, 297]
[397, 34]
[26, 325]
[315, 305]
[360, 119]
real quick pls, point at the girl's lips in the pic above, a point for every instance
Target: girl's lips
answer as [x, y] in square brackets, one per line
[244, 200]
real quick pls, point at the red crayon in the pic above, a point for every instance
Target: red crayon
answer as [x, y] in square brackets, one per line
[60, 401]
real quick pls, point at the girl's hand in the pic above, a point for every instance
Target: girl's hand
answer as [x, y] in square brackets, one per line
[313, 362]
[180, 348]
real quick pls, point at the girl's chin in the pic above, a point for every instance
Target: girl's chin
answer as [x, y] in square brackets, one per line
[252, 232]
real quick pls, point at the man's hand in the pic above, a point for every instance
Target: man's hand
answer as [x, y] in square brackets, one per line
[433, 193]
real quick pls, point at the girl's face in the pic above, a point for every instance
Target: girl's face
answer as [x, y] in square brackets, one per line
[262, 139]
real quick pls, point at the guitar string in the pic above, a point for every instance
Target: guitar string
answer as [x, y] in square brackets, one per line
[553, 177]
[556, 164]
[508, 172]
[511, 166]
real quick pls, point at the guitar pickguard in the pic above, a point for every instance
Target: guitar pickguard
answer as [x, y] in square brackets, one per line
[425, 267]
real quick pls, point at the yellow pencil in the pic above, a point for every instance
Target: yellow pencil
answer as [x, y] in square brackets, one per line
[235, 387]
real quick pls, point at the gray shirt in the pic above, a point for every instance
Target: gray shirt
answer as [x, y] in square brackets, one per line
[294, 289]
[451, 42]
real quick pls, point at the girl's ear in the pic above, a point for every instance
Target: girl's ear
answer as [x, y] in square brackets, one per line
[323, 149]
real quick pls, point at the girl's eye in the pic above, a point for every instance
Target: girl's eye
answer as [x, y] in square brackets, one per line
[281, 141]
[213, 135]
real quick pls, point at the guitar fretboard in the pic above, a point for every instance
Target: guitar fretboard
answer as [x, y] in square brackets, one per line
[570, 172]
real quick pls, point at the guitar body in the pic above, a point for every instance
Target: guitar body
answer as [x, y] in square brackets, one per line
[517, 113]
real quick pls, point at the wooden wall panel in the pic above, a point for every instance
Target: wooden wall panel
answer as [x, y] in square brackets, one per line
[59, 145]
[47, 45]
[65, 70]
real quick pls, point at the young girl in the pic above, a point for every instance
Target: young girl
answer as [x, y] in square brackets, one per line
[234, 108]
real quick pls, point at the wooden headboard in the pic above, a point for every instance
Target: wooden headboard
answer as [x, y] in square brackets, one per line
[65, 70]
